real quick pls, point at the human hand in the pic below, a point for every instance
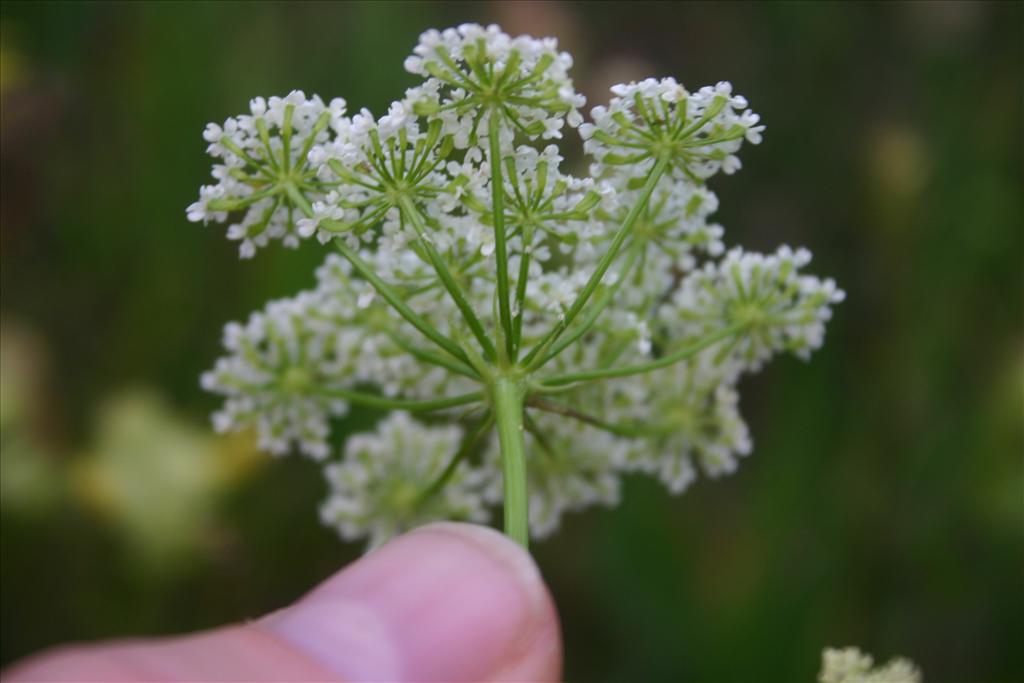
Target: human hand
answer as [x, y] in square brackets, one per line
[452, 602]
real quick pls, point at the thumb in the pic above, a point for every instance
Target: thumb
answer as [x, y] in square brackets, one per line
[446, 602]
[452, 602]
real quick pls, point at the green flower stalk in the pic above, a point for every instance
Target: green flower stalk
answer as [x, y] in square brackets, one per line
[549, 332]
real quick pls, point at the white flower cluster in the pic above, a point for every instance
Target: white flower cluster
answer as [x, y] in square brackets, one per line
[695, 417]
[264, 168]
[278, 377]
[469, 68]
[377, 490]
[291, 364]
[701, 131]
[467, 254]
[765, 297]
[850, 665]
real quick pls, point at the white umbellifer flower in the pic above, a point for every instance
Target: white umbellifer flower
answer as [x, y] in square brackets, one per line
[692, 415]
[598, 323]
[291, 364]
[372, 165]
[675, 225]
[376, 490]
[282, 359]
[265, 171]
[473, 71]
[773, 306]
[850, 665]
[701, 132]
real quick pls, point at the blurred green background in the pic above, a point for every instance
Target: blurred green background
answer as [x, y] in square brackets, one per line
[884, 504]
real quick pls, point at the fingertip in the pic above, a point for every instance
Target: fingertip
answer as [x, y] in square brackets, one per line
[445, 602]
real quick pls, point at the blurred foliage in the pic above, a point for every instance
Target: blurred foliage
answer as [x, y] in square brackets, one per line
[884, 504]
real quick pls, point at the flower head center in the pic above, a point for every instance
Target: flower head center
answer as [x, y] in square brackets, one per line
[296, 380]
[750, 315]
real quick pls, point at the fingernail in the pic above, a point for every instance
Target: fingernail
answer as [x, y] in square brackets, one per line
[445, 602]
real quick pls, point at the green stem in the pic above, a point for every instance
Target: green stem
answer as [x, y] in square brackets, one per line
[627, 430]
[298, 199]
[500, 251]
[318, 127]
[445, 362]
[524, 271]
[624, 371]
[602, 267]
[240, 202]
[286, 137]
[593, 311]
[385, 403]
[508, 412]
[414, 216]
[398, 303]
